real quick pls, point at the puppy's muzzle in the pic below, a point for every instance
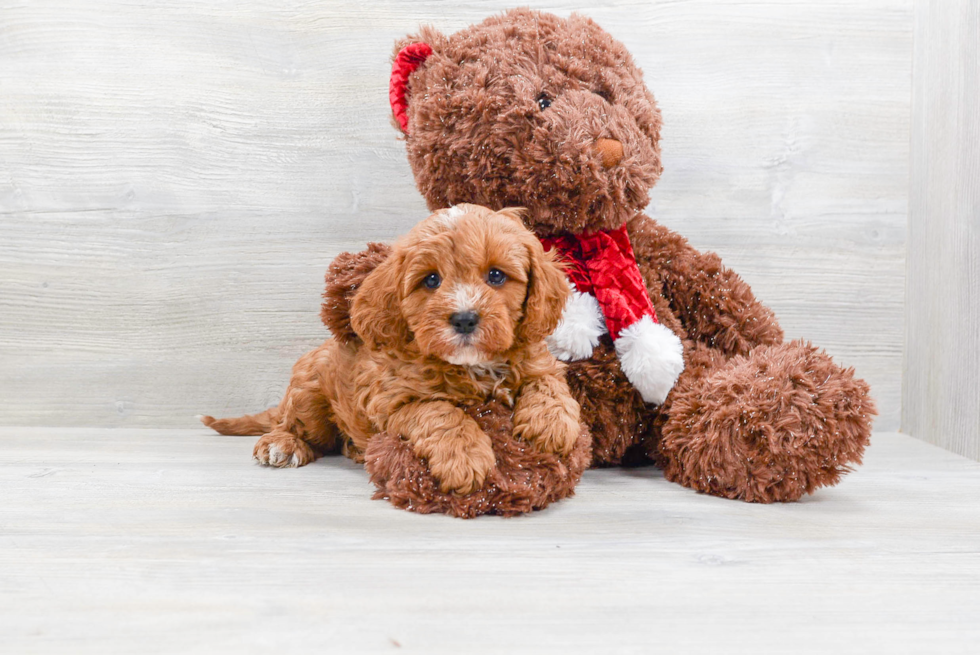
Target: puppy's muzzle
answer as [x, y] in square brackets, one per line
[464, 322]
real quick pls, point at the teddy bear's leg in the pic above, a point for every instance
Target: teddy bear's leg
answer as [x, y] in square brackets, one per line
[770, 426]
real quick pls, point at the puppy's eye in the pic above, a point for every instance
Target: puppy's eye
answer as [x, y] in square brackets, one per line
[496, 277]
[544, 101]
[432, 281]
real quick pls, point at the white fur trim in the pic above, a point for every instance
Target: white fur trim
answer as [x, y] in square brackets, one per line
[579, 330]
[652, 358]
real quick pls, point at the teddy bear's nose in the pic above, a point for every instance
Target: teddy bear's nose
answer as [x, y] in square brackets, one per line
[610, 150]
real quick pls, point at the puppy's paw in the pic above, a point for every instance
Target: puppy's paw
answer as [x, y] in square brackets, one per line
[282, 450]
[550, 432]
[546, 415]
[462, 465]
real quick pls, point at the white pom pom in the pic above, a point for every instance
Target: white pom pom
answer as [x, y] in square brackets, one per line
[652, 357]
[579, 330]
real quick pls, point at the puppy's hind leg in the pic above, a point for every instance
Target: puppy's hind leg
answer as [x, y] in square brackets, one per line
[301, 428]
[305, 430]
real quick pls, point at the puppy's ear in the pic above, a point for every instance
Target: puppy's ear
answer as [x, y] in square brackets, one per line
[547, 291]
[376, 314]
[513, 213]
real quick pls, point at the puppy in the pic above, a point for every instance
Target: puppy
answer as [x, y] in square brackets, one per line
[456, 315]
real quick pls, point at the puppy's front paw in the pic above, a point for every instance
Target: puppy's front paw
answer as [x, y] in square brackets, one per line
[548, 419]
[462, 465]
[282, 450]
[556, 434]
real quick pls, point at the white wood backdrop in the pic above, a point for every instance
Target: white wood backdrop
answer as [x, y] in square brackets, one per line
[175, 177]
[942, 378]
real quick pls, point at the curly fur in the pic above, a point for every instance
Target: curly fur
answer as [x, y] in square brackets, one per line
[479, 131]
[392, 371]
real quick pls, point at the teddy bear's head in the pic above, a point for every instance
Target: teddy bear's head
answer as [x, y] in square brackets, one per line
[528, 109]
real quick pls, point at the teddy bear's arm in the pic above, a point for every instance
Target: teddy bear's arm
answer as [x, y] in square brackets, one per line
[343, 279]
[713, 303]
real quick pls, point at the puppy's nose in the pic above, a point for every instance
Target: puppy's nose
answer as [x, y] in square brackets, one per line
[464, 322]
[610, 150]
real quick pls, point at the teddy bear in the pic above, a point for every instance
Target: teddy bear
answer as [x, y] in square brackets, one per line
[670, 355]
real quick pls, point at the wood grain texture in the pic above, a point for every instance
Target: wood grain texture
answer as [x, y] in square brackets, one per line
[175, 177]
[172, 541]
[941, 395]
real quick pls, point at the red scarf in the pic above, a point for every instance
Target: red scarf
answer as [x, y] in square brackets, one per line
[603, 264]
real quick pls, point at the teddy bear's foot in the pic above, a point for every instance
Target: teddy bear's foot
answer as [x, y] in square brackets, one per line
[772, 426]
[524, 479]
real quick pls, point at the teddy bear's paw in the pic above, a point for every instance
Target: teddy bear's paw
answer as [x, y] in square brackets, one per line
[579, 330]
[282, 450]
[772, 426]
[652, 358]
[344, 277]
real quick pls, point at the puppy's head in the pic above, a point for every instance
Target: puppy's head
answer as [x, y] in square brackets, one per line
[465, 285]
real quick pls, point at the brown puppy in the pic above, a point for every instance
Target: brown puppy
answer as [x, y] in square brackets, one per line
[456, 316]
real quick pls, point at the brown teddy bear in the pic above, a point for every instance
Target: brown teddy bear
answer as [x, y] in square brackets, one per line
[551, 114]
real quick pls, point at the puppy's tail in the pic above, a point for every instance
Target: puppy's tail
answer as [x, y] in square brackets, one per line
[249, 425]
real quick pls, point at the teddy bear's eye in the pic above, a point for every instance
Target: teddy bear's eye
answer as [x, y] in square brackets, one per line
[544, 101]
[432, 281]
[496, 277]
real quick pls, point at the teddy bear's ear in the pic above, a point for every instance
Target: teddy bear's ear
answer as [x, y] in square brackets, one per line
[410, 53]
[375, 313]
[406, 62]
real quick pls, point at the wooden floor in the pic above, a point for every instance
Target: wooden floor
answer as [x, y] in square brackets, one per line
[173, 541]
